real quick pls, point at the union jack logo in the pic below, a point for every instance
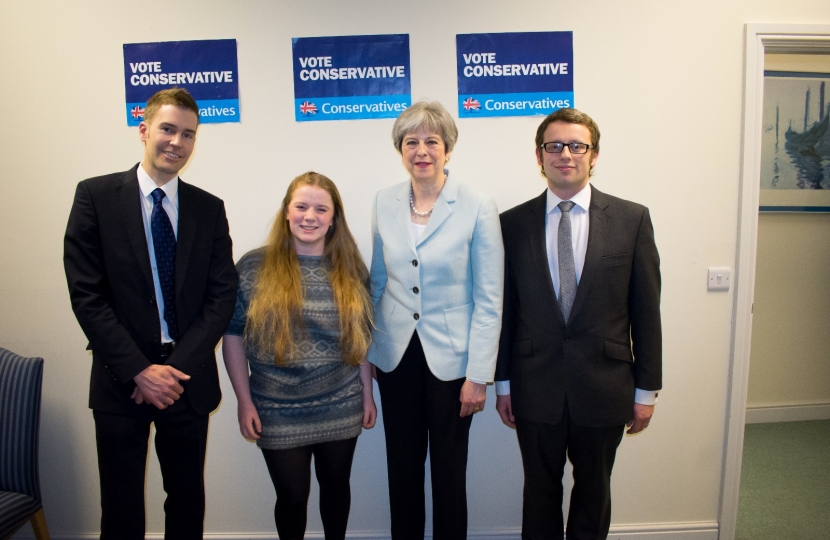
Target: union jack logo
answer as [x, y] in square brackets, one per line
[471, 104]
[308, 108]
[137, 112]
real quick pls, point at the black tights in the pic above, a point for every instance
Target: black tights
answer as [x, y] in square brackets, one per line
[290, 471]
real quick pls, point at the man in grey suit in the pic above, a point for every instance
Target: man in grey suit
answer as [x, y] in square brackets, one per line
[580, 355]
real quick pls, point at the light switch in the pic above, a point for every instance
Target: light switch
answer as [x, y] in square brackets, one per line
[720, 278]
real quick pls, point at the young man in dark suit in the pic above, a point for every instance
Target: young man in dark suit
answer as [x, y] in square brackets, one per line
[152, 283]
[580, 354]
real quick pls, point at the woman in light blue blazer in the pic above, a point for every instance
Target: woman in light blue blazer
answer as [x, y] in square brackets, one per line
[436, 282]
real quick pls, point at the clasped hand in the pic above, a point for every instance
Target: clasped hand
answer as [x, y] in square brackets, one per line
[158, 385]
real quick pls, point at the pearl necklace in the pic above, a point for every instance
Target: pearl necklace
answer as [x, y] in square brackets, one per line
[414, 210]
[412, 200]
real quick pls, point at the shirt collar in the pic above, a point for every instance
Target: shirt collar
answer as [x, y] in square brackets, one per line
[147, 185]
[581, 199]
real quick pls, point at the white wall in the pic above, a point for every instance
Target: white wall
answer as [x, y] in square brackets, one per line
[663, 80]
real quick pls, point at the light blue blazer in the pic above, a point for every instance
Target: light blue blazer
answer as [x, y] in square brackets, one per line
[448, 286]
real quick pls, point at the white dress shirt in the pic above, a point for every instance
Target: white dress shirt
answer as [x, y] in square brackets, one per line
[580, 225]
[171, 205]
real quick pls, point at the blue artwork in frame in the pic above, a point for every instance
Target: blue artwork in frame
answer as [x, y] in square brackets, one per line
[795, 144]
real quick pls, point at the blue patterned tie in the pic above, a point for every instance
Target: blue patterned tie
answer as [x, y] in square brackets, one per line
[164, 245]
[567, 269]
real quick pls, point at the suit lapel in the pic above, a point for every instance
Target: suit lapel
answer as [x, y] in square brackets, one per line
[129, 200]
[186, 234]
[597, 231]
[401, 212]
[442, 209]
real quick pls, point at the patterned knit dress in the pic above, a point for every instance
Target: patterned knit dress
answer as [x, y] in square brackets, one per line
[315, 397]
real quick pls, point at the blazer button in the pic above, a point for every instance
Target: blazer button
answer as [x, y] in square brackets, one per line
[416, 316]
[567, 337]
[414, 262]
[416, 290]
[152, 301]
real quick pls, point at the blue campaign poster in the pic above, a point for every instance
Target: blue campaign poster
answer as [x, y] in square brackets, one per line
[351, 77]
[207, 69]
[514, 73]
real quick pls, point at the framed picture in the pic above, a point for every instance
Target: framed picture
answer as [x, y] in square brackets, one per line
[795, 145]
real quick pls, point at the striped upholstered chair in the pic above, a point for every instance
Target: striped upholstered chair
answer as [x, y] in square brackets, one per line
[20, 382]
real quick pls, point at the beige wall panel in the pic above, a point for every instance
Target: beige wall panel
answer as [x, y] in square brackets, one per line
[790, 345]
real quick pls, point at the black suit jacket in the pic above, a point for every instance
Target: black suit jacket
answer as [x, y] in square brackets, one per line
[612, 342]
[107, 265]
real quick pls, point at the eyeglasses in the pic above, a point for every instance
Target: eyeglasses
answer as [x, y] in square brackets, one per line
[574, 147]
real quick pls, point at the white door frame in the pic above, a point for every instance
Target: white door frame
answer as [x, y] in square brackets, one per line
[760, 39]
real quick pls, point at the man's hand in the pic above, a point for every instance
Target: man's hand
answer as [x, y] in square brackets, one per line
[159, 385]
[472, 398]
[137, 396]
[642, 416]
[504, 406]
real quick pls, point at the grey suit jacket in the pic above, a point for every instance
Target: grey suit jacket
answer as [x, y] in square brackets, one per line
[107, 266]
[448, 285]
[612, 342]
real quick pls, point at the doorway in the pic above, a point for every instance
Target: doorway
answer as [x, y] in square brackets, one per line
[761, 39]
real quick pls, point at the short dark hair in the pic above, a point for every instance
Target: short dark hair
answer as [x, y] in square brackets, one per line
[571, 116]
[171, 96]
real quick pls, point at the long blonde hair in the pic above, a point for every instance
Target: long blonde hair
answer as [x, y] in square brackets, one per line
[275, 312]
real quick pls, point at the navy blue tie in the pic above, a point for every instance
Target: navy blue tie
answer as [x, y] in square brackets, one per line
[164, 245]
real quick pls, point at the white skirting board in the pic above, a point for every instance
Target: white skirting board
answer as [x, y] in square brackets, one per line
[699, 530]
[763, 413]
[654, 531]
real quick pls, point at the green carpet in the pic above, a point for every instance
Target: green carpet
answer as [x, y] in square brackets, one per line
[785, 482]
